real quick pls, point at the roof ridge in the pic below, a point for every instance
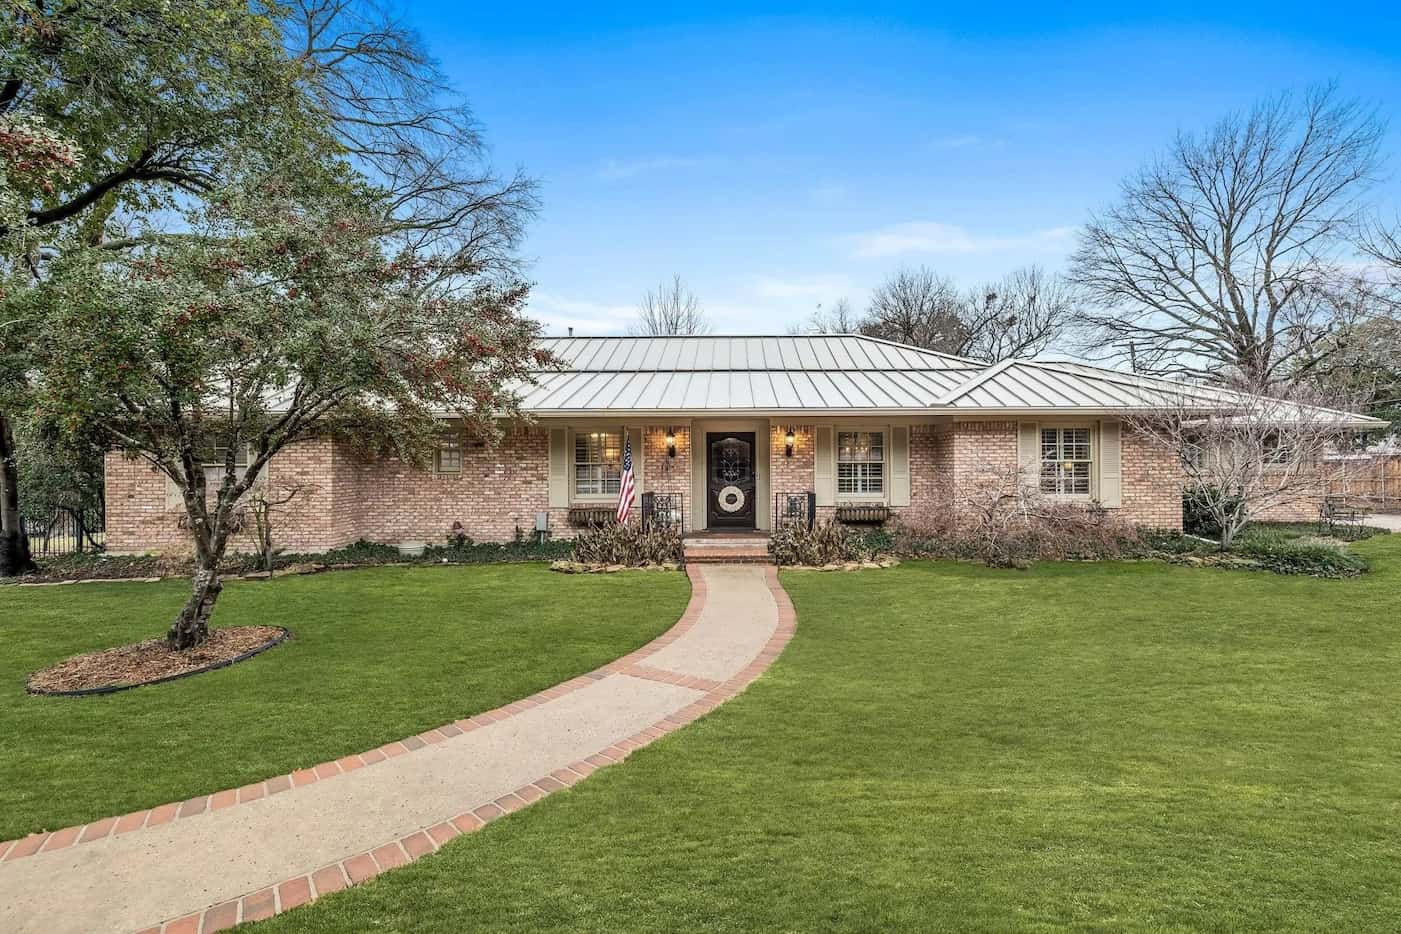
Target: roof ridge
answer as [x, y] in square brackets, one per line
[924, 351]
[959, 391]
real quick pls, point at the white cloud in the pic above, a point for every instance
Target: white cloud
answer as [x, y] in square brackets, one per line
[821, 288]
[558, 314]
[956, 142]
[966, 141]
[937, 238]
[617, 169]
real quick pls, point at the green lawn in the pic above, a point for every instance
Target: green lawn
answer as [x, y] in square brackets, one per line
[376, 655]
[1093, 746]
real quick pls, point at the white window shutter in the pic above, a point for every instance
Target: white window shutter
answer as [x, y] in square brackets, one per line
[1029, 452]
[1110, 458]
[824, 469]
[900, 465]
[559, 468]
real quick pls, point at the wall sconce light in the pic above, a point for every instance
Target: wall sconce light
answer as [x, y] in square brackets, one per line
[670, 441]
[788, 441]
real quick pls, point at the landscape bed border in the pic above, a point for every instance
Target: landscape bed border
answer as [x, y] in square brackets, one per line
[283, 635]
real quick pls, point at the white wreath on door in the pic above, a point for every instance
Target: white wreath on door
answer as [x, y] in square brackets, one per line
[731, 499]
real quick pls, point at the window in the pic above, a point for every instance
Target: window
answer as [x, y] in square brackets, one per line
[448, 458]
[221, 451]
[598, 463]
[860, 463]
[1193, 454]
[1066, 461]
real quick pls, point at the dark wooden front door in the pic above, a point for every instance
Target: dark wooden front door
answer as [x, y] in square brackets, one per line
[730, 480]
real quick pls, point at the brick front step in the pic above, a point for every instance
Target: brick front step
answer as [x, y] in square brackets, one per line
[739, 549]
[758, 557]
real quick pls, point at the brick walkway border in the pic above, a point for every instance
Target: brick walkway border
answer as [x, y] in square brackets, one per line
[287, 895]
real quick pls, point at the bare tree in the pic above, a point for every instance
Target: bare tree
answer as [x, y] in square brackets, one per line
[1223, 256]
[1021, 316]
[1243, 453]
[402, 123]
[838, 319]
[1382, 242]
[919, 307]
[670, 309]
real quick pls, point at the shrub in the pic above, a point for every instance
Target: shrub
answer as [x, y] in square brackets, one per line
[361, 552]
[825, 543]
[1173, 542]
[629, 544]
[465, 551]
[1196, 511]
[1003, 523]
[1311, 557]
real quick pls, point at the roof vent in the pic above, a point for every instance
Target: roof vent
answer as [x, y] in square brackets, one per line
[571, 332]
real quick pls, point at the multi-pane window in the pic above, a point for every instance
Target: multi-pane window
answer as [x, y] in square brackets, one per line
[221, 451]
[598, 463]
[861, 463]
[1066, 461]
[447, 459]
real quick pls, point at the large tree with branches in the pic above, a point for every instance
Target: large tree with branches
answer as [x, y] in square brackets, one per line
[159, 99]
[670, 309]
[278, 312]
[1223, 257]
[1021, 315]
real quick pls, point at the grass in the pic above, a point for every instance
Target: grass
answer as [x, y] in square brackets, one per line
[1089, 746]
[377, 655]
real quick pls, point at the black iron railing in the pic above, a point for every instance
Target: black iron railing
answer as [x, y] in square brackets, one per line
[65, 531]
[664, 510]
[794, 510]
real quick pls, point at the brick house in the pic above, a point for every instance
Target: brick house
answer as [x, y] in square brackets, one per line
[726, 433]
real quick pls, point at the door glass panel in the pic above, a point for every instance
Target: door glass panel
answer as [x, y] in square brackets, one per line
[731, 462]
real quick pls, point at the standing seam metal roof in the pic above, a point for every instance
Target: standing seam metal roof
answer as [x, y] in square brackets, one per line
[830, 373]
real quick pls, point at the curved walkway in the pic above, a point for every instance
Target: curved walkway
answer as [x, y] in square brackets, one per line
[243, 854]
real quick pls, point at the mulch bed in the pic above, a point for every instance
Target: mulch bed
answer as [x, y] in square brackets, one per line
[152, 661]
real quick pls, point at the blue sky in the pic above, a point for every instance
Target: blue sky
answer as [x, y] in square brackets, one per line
[780, 160]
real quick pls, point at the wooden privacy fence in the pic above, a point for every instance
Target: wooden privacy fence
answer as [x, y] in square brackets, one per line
[1373, 478]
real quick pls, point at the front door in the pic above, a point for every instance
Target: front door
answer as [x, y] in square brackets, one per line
[730, 484]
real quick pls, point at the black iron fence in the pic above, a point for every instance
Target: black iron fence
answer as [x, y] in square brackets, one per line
[66, 532]
[663, 510]
[794, 510]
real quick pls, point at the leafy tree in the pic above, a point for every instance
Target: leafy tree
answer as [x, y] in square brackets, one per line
[34, 161]
[155, 100]
[275, 314]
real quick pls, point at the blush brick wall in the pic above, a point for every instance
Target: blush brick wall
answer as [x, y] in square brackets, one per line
[1151, 482]
[792, 474]
[144, 512]
[982, 452]
[931, 474]
[499, 490]
[343, 497]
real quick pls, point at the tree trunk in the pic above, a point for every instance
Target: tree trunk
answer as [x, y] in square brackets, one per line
[1230, 529]
[191, 627]
[14, 544]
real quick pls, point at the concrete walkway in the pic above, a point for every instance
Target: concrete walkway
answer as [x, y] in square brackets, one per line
[248, 853]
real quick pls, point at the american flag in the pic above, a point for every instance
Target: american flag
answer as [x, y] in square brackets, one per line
[626, 489]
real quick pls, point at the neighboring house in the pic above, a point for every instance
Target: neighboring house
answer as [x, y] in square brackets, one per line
[727, 433]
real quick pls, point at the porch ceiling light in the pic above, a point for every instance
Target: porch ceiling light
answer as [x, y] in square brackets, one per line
[788, 441]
